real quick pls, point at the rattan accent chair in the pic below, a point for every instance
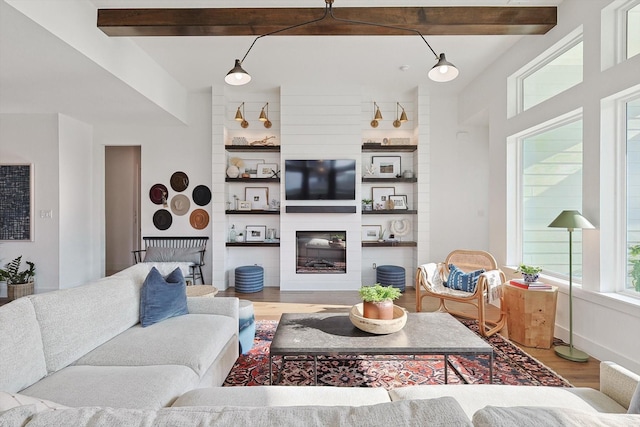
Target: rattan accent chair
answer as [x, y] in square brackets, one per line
[430, 278]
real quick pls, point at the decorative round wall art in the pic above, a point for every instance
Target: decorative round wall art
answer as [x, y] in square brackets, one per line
[158, 194]
[180, 204]
[201, 195]
[162, 219]
[199, 219]
[179, 181]
[400, 227]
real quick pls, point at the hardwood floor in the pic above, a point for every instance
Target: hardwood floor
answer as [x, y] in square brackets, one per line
[270, 303]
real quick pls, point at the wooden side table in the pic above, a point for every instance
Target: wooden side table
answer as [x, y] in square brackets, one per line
[531, 315]
[201, 291]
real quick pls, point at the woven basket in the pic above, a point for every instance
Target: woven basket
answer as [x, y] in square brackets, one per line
[20, 290]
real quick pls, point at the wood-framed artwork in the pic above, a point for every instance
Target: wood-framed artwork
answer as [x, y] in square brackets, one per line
[256, 233]
[258, 196]
[380, 197]
[371, 233]
[16, 202]
[244, 205]
[398, 201]
[267, 170]
[387, 166]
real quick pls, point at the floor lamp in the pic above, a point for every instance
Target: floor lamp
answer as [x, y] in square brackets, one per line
[571, 220]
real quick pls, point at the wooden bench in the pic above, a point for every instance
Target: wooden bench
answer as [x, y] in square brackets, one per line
[175, 249]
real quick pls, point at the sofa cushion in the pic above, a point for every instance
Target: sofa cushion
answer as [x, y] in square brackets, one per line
[435, 412]
[139, 272]
[75, 321]
[524, 416]
[12, 400]
[191, 255]
[283, 396]
[634, 406]
[115, 386]
[461, 281]
[193, 340]
[162, 297]
[22, 359]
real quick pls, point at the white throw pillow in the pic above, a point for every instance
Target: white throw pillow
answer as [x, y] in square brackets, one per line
[12, 400]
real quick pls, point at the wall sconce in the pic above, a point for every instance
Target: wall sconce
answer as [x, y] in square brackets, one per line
[377, 115]
[403, 117]
[240, 117]
[264, 117]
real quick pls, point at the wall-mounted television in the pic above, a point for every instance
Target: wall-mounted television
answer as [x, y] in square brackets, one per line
[320, 179]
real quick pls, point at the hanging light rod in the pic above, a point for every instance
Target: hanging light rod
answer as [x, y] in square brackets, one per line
[443, 71]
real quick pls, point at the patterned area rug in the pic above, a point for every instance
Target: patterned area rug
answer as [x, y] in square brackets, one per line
[511, 366]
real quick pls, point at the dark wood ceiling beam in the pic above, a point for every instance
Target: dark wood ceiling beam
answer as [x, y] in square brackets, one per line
[257, 21]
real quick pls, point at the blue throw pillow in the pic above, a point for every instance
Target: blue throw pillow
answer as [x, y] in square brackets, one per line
[162, 298]
[461, 281]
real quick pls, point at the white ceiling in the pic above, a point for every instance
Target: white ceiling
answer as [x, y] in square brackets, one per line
[41, 73]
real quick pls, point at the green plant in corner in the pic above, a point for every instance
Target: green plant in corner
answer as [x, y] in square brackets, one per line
[12, 275]
[634, 259]
[378, 293]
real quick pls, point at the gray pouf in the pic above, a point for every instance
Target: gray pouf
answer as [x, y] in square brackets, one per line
[391, 275]
[249, 278]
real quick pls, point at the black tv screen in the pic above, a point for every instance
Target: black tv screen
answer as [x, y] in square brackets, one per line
[320, 179]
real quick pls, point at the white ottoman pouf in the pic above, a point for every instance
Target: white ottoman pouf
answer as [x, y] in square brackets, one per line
[247, 325]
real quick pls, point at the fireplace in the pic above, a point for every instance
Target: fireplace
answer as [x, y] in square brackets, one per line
[321, 252]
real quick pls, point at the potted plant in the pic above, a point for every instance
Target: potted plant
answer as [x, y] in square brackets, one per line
[377, 301]
[367, 204]
[19, 283]
[634, 259]
[530, 273]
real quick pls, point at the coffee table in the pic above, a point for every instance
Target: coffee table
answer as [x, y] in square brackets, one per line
[333, 335]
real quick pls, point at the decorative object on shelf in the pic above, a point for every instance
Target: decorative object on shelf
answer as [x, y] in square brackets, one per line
[371, 233]
[264, 141]
[571, 219]
[251, 167]
[377, 301]
[180, 204]
[19, 283]
[240, 117]
[240, 237]
[179, 181]
[199, 219]
[271, 235]
[158, 194]
[243, 205]
[162, 219]
[232, 233]
[17, 206]
[239, 140]
[400, 227]
[367, 204]
[264, 117]
[274, 205]
[380, 196]
[407, 174]
[530, 273]
[377, 326]
[399, 141]
[258, 197]
[370, 170]
[370, 143]
[201, 195]
[403, 117]
[398, 201]
[387, 166]
[235, 164]
[256, 233]
[443, 71]
[267, 170]
[377, 115]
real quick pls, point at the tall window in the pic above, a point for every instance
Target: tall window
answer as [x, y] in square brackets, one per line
[633, 194]
[548, 78]
[551, 183]
[633, 31]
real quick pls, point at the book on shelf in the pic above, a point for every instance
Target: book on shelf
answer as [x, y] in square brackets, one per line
[532, 285]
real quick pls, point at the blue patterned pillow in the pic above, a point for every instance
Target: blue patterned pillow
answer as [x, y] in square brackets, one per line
[461, 281]
[162, 298]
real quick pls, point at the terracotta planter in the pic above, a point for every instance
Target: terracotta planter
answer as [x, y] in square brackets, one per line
[378, 310]
[19, 290]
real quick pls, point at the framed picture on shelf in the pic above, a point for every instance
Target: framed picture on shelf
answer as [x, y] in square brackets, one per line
[251, 167]
[258, 196]
[398, 201]
[267, 170]
[380, 197]
[371, 233]
[387, 166]
[256, 233]
[243, 205]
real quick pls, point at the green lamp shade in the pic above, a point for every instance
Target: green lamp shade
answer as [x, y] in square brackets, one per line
[571, 220]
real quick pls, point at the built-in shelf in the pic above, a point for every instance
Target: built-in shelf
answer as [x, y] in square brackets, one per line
[388, 244]
[389, 180]
[263, 148]
[253, 180]
[321, 209]
[391, 211]
[252, 212]
[254, 244]
[368, 148]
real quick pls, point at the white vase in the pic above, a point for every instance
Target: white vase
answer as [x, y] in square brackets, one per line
[233, 171]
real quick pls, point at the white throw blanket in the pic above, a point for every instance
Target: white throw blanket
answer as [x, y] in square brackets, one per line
[494, 285]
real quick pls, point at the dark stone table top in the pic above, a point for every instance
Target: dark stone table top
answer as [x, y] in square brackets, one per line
[333, 334]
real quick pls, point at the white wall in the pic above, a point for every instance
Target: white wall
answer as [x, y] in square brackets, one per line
[603, 323]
